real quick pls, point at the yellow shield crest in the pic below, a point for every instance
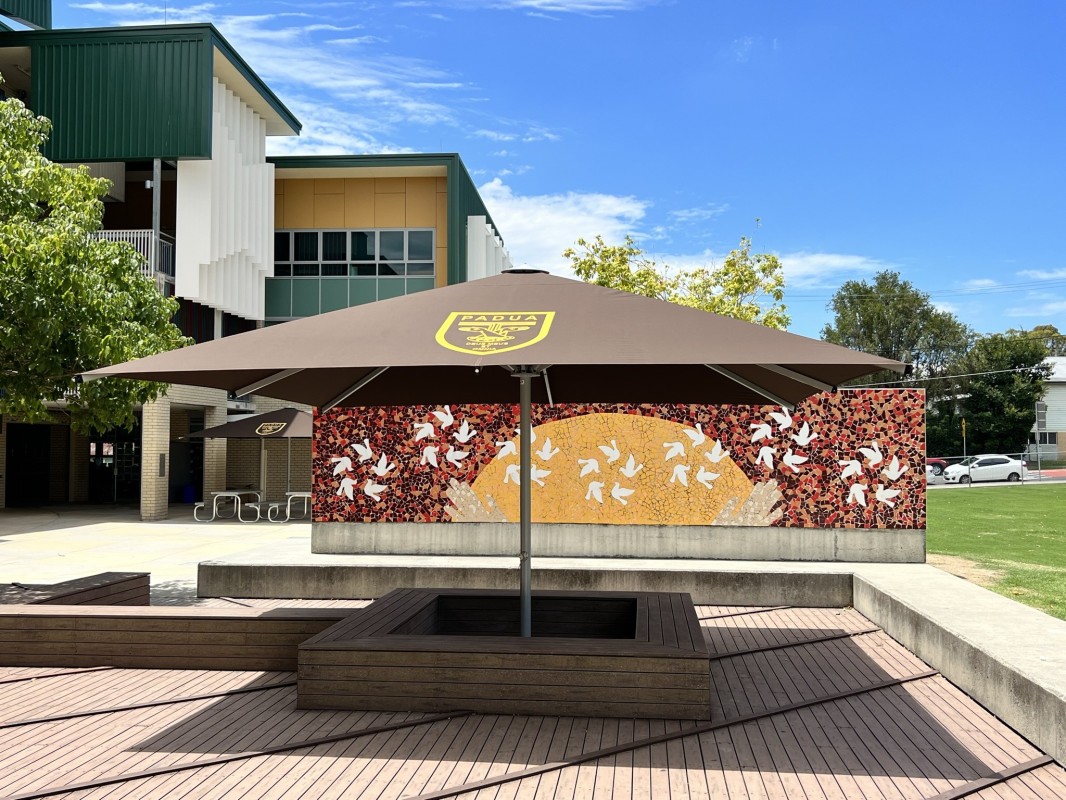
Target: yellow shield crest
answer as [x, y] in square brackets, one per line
[270, 428]
[485, 332]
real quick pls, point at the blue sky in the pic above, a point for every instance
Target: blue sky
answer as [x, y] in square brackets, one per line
[927, 138]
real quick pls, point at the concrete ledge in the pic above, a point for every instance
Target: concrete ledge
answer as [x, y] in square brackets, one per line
[1009, 657]
[367, 578]
[621, 541]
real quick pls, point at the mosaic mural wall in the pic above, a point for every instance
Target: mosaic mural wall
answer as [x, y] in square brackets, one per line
[853, 459]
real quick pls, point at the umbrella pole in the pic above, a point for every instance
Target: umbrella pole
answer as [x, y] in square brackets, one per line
[525, 505]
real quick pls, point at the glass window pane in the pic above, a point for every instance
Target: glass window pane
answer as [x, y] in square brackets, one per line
[362, 291]
[334, 246]
[390, 287]
[334, 269]
[420, 268]
[363, 246]
[282, 270]
[363, 270]
[305, 270]
[282, 247]
[420, 245]
[334, 295]
[390, 268]
[304, 298]
[278, 298]
[305, 243]
[391, 245]
[419, 284]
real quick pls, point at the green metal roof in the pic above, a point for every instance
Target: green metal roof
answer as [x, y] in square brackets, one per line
[35, 13]
[117, 94]
[463, 197]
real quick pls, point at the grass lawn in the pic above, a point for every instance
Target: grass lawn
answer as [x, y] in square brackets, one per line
[1016, 533]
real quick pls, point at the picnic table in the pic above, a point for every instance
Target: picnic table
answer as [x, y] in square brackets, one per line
[219, 500]
[274, 511]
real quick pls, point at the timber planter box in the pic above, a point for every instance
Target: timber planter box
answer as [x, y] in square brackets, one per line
[620, 654]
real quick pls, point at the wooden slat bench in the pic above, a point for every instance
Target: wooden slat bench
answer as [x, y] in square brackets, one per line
[104, 589]
[158, 637]
[625, 654]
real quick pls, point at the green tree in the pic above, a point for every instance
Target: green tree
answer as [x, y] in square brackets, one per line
[746, 286]
[997, 385]
[1048, 334]
[68, 302]
[891, 318]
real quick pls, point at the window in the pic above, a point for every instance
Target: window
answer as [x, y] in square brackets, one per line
[331, 269]
[1047, 437]
[356, 254]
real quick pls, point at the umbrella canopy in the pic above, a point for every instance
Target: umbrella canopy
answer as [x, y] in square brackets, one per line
[448, 345]
[562, 340]
[285, 423]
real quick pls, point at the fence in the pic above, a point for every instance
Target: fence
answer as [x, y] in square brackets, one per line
[158, 254]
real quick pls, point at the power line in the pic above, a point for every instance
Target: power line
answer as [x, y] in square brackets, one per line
[943, 377]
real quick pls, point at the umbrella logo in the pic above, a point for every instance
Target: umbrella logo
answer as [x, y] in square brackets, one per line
[483, 332]
[270, 428]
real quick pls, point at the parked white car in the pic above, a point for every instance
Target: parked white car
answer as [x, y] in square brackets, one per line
[986, 468]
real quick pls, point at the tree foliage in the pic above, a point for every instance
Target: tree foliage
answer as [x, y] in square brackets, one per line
[1054, 341]
[68, 302]
[995, 386]
[746, 286]
[891, 318]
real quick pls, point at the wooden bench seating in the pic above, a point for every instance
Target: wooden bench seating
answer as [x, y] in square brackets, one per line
[602, 654]
[104, 589]
[158, 637]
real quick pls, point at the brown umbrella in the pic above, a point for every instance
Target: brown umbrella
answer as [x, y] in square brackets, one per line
[467, 342]
[285, 423]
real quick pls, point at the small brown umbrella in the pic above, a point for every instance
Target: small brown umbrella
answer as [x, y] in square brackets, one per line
[468, 342]
[285, 423]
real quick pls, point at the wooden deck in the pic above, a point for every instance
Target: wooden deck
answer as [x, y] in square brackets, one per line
[640, 654]
[835, 709]
[158, 637]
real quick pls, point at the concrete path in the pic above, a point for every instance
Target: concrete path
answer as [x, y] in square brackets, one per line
[52, 545]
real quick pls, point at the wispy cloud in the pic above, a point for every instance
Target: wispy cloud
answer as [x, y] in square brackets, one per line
[1043, 274]
[741, 49]
[826, 270]
[702, 214]
[538, 228]
[1047, 309]
[980, 283]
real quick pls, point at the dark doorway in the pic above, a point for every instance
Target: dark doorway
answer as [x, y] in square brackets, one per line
[115, 466]
[29, 464]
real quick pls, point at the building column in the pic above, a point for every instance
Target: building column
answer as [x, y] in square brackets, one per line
[155, 459]
[3, 462]
[214, 451]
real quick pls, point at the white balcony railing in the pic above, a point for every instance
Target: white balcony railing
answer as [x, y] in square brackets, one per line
[158, 254]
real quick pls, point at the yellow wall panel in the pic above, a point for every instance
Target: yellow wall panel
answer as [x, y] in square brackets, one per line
[359, 203]
[421, 203]
[390, 210]
[329, 210]
[441, 266]
[279, 211]
[329, 186]
[299, 204]
[442, 220]
[442, 184]
[389, 185]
